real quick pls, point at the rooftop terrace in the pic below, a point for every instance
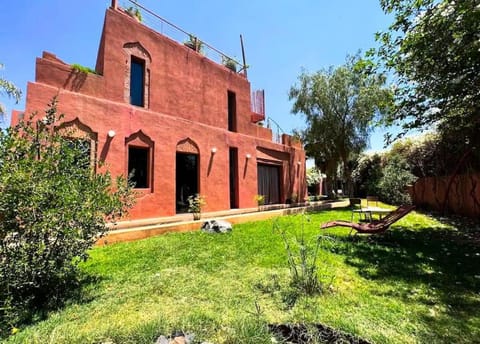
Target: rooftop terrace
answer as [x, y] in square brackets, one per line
[166, 28]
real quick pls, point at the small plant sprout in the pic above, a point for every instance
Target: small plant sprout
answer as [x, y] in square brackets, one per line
[259, 199]
[302, 254]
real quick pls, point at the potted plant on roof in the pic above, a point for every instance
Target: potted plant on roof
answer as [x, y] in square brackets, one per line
[194, 43]
[229, 63]
[134, 12]
[195, 205]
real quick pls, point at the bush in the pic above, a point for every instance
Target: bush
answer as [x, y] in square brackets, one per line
[52, 210]
[393, 184]
[367, 175]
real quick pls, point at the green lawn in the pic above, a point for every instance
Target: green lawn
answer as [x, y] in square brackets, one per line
[417, 283]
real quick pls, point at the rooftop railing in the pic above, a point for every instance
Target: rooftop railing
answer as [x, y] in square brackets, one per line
[276, 130]
[167, 28]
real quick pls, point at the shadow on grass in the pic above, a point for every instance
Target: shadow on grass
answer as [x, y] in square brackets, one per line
[76, 290]
[436, 267]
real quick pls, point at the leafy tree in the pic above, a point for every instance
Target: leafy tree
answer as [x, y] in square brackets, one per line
[392, 187]
[9, 89]
[52, 210]
[434, 50]
[367, 174]
[313, 176]
[339, 105]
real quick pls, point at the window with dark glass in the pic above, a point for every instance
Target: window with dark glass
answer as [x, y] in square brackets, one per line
[232, 111]
[137, 81]
[138, 165]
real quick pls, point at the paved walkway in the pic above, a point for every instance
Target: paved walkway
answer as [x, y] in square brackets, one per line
[141, 229]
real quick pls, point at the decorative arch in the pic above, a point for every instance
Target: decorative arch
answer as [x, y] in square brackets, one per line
[187, 146]
[140, 139]
[77, 130]
[136, 51]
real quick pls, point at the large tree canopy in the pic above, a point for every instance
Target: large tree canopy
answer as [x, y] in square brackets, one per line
[339, 105]
[433, 48]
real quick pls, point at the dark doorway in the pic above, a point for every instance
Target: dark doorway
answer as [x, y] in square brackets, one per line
[186, 179]
[233, 157]
[269, 183]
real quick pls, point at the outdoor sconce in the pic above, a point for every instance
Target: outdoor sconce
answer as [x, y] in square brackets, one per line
[248, 156]
[214, 150]
[111, 133]
[299, 163]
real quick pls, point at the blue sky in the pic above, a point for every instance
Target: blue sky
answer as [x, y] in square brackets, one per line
[280, 38]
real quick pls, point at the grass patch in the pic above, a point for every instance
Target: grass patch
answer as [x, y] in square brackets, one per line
[82, 69]
[417, 283]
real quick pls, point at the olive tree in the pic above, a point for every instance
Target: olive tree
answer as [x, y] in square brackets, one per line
[53, 208]
[9, 89]
[340, 106]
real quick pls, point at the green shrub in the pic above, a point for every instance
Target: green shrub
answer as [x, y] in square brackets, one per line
[82, 69]
[229, 63]
[53, 208]
[393, 184]
[367, 174]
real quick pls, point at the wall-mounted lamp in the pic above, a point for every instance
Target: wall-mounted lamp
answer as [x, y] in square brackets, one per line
[248, 156]
[111, 133]
[214, 150]
[299, 162]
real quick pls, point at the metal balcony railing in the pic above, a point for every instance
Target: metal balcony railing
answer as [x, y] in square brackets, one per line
[166, 28]
[276, 130]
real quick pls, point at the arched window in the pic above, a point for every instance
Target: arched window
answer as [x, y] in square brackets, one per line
[139, 149]
[137, 74]
[81, 137]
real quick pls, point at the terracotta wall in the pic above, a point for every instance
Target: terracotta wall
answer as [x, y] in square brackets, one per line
[186, 100]
[181, 81]
[463, 198]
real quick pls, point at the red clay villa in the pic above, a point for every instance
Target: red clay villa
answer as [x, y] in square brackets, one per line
[176, 121]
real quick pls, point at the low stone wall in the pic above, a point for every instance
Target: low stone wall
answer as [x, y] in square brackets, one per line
[463, 197]
[140, 229]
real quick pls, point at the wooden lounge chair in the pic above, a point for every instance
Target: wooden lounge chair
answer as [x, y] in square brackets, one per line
[373, 227]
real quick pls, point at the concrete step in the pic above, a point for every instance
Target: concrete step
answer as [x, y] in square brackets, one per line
[141, 229]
